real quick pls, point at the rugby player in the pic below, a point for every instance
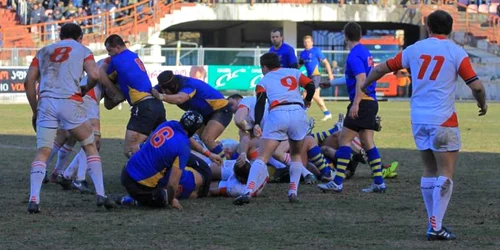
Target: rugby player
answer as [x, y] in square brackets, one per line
[435, 63]
[285, 52]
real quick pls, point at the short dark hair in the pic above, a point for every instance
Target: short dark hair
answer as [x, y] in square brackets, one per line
[440, 22]
[235, 96]
[270, 60]
[277, 30]
[114, 41]
[70, 31]
[352, 31]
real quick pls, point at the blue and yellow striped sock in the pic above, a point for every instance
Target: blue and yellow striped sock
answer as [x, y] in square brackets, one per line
[375, 164]
[343, 156]
[321, 136]
[218, 150]
[317, 158]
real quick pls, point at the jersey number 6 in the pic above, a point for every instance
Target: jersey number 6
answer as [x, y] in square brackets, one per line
[289, 82]
[161, 136]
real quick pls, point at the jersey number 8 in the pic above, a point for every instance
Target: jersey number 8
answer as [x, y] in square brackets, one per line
[60, 54]
[161, 136]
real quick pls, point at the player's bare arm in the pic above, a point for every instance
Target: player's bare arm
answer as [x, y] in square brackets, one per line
[177, 99]
[198, 148]
[92, 70]
[30, 87]
[173, 184]
[328, 68]
[360, 80]
[480, 95]
[112, 92]
[239, 118]
[376, 73]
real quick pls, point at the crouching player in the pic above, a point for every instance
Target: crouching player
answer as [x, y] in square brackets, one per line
[166, 150]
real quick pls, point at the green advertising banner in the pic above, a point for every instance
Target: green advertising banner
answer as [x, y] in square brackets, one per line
[234, 77]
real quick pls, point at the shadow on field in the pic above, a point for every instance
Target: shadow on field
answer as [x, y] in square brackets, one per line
[396, 219]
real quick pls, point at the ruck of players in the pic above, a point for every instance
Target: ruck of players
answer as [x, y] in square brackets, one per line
[170, 159]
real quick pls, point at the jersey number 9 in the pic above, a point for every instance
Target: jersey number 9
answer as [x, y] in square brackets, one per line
[161, 136]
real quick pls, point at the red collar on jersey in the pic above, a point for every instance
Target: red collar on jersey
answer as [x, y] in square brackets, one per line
[440, 37]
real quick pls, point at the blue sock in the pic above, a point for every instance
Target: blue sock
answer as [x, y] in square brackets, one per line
[343, 156]
[234, 155]
[375, 164]
[326, 112]
[218, 150]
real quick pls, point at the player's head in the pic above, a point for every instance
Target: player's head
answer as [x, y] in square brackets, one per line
[234, 101]
[191, 121]
[268, 62]
[352, 32]
[114, 44]
[71, 31]
[241, 172]
[308, 42]
[277, 37]
[439, 22]
[169, 82]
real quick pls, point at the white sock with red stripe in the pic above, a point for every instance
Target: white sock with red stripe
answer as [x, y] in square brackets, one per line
[295, 172]
[62, 158]
[427, 188]
[276, 164]
[82, 166]
[258, 167]
[441, 198]
[71, 169]
[38, 169]
[55, 149]
[95, 171]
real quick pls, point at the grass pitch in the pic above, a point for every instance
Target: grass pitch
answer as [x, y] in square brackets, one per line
[394, 220]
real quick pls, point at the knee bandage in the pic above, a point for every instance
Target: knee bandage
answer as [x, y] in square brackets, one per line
[97, 133]
[88, 141]
[45, 137]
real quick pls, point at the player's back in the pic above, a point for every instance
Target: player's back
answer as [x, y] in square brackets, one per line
[61, 68]
[249, 102]
[204, 98]
[434, 64]
[131, 74]
[159, 153]
[359, 61]
[282, 86]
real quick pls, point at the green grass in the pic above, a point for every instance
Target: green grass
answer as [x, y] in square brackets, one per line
[394, 220]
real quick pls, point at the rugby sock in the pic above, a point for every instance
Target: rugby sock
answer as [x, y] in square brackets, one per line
[317, 158]
[295, 173]
[321, 136]
[305, 172]
[94, 164]
[375, 164]
[343, 156]
[326, 112]
[218, 150]
[427, 187]
[38, 169]
[62, 157]
[82, 166]
[276, 164]
[440, 199]
[55, 149]
[258, 166]
[72, 167]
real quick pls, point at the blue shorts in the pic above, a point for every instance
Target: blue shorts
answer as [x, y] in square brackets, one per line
[187, 183]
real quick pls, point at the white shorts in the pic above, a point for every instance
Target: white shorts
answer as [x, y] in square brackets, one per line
[65, 114]
[286, 122]
[234, 188]
[436, 138]
[91, 108]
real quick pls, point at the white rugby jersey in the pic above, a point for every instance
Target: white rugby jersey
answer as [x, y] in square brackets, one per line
[61, 68]
[434, 63]
[249, 102]
[283, 85]
[95, 94]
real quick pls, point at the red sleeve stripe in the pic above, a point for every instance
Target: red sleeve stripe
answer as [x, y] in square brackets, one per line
[395, 63]
[34, 63]
[90, 57]
[466, 71]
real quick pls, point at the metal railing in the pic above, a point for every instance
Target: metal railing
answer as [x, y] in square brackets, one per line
[198, 56]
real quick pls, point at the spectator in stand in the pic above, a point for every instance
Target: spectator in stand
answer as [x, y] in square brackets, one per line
[57, 14]
[37, 14]
[77, 3]
[463, 2]
[60, 7]
[70, 11]
[51, 28]
[97, 4]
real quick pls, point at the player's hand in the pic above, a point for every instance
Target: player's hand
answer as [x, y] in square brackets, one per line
[307, 104]
[175, 204]
[157, 94]
[353, 112]
[325, 85]
[257, 131]
[242, 158]
[33, 121]
[483, 109]
[215, 158]
[330, 77]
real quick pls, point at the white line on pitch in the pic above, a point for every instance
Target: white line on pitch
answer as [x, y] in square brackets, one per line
[15, 147]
